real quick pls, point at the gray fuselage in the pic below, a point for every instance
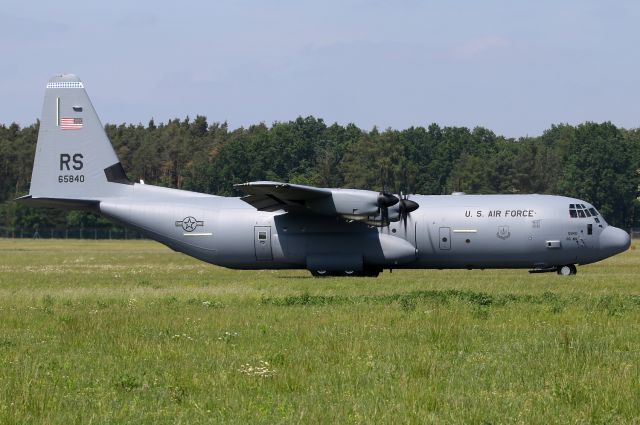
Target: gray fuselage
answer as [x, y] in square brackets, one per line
[448, 231]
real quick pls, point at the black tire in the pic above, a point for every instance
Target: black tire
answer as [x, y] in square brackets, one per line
[567, 270]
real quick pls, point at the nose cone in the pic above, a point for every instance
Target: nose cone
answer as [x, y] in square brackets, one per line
[614, 241]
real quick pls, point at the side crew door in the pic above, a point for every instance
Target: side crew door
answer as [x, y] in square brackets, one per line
[262, 242]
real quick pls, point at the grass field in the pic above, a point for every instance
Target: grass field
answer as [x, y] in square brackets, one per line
[131, 332]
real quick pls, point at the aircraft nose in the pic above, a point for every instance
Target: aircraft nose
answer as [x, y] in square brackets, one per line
[614, 241]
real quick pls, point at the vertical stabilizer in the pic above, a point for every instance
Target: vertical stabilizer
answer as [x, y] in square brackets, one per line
[74, 158]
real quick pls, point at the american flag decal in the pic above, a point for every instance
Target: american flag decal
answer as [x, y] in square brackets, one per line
[71, 123]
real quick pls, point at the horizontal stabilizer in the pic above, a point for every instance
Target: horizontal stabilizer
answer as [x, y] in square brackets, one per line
[71, 204]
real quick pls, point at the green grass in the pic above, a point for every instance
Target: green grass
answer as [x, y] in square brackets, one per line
[131, 332]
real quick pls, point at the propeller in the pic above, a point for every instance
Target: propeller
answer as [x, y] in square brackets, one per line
[386, 200]
[406, 207]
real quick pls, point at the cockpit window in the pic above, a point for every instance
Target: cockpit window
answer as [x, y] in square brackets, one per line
[582, 211]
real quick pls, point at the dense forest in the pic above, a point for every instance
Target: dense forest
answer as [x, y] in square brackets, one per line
[599, 163]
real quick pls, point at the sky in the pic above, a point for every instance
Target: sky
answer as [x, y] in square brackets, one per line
[514, 67]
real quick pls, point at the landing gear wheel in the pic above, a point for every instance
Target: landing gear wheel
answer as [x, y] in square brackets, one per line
[350, 273]
[567, 270]
[319, 273]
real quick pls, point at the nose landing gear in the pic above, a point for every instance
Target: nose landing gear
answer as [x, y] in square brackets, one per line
[566, 270]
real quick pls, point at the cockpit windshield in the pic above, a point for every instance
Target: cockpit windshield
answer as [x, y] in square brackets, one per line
[581, 211]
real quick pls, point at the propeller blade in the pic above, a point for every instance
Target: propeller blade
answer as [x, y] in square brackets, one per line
[406, 207]
[386, 200]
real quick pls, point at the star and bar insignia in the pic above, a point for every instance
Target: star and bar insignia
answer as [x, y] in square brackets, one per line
[189, 224]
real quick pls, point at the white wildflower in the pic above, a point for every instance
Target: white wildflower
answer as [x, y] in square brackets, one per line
[262, 370]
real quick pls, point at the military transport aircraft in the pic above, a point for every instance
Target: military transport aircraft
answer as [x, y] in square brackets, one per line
[346, 232]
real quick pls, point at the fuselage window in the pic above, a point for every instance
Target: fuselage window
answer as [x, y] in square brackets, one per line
[587, 213]
[573, 213]
[589, 229]
[262, 236]
[581, 214]
[597, 219]
[593, 211]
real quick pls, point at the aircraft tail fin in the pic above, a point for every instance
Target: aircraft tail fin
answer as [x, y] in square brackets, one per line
[75, 163]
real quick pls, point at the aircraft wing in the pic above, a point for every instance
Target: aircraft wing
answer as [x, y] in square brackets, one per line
[274, 196]
[351, 204]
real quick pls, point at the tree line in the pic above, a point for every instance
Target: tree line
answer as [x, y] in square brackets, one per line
[597, 162]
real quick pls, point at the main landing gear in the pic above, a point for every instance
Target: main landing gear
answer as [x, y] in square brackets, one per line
[367, 272]
[567, 270]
